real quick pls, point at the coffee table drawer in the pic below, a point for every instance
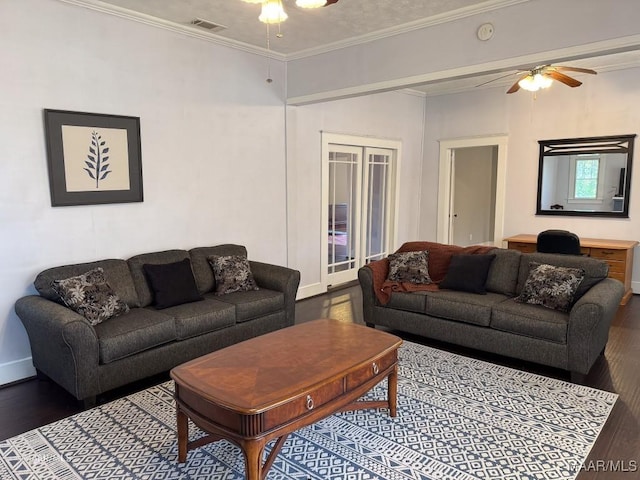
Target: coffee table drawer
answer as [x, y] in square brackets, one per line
[370, 370]
[302, 405]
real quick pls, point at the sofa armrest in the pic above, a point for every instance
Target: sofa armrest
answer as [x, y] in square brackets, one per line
[64, 346]
[369, 299]
[589, 322]
[280, 279]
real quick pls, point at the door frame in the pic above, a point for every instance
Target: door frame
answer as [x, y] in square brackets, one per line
[328, 138]
[445, 183]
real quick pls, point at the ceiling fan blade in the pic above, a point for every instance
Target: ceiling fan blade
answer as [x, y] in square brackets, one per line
[575, 69]
[515, 87]
[561, 77]
[498, 78]
[330, 2]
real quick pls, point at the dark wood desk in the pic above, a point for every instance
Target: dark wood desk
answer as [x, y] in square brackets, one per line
[617, 253]
[267, 387]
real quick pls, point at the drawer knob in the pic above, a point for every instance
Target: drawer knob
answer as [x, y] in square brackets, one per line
[310, 404]
[376, 370]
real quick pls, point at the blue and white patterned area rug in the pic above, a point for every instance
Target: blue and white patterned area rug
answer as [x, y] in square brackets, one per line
[458, 418]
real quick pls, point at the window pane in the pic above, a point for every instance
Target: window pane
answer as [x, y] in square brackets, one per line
[586, 185]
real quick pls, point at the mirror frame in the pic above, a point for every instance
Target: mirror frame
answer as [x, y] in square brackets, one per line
[569, 146]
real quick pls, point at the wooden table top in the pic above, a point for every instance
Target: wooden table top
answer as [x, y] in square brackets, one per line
[263, 372]
[584, 241]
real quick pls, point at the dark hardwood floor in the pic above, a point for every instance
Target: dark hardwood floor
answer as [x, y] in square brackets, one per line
[32, 403]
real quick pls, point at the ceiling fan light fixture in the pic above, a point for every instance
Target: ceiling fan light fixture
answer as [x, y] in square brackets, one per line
[272, 12]
[533, 83]
[311, 3]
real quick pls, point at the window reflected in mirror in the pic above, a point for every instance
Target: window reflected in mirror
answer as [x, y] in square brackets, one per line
[585, 176]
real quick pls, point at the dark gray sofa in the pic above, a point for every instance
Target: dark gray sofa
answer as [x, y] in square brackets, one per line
[496, 323]
[88, 360]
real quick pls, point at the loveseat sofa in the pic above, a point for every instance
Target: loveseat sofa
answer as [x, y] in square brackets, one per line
[147, 338]
[495, 321]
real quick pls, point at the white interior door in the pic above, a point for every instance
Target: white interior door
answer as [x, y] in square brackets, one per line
[343, 212]
[358, 204]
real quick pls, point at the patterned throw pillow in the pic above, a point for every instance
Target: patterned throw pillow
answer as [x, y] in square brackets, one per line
[91, 296]
[551, 286]
[411, 267]
[232, 274]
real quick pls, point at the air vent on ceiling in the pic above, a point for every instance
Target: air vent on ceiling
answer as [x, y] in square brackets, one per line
[207, 25]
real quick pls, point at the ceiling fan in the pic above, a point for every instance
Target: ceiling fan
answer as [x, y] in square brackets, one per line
[273, 10]
[543, 76]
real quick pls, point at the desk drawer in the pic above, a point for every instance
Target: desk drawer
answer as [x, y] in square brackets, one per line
[302, 405]
[609, 254]
[523, 247]
[617, 276]
[617, 267]
[370, 370]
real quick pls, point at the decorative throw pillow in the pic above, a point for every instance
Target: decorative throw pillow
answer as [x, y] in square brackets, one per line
[468, 273]
[172, 283]
[411, 267]
[232, 274]
[91, 296]
[551, 286]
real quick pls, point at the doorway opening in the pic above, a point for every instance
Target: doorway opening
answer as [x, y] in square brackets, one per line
[472, 191]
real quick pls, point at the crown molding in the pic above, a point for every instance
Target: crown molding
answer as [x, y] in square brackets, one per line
[186, 30]
[103, 7]
[446, 17]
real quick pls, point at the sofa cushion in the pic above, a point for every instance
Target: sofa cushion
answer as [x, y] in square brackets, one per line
[253, 303]
[594, 270]
[411, 267]
[503, 274]
[408, 301]
[232, 274]
[91, 296]
[531, 321]
[193, 319]
[116, 273]
[468, 273]
[551, 286]
[462, 306]
[134, 332]
[172, 283]
[202, 269]
[139, 277]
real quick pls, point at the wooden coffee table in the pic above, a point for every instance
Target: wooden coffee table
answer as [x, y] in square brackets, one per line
[265, 388]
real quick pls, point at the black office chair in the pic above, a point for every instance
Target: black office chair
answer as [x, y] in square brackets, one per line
[558, 241]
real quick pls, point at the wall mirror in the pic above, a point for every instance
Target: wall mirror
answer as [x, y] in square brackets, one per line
[589, 177]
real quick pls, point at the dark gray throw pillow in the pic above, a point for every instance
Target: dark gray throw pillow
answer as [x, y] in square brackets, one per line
[172, 283]
[468, 273]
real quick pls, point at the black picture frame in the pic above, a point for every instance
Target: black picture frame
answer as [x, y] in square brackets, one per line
[85, 149]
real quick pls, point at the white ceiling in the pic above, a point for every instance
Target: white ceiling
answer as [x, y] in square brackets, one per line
[306, 31]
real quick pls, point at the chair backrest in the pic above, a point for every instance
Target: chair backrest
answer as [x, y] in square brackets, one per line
[558, 241]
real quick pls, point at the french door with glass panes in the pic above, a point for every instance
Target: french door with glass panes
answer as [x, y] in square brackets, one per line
[358, 219]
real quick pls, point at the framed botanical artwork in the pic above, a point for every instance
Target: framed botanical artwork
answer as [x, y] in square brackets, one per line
[93, 158]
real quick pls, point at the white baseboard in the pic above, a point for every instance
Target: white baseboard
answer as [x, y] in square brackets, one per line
[635, 286]
[310, 291]
[16, 370]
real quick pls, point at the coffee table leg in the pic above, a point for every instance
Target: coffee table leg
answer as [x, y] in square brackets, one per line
[183, 434]
[392, 391]
[253, 459]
